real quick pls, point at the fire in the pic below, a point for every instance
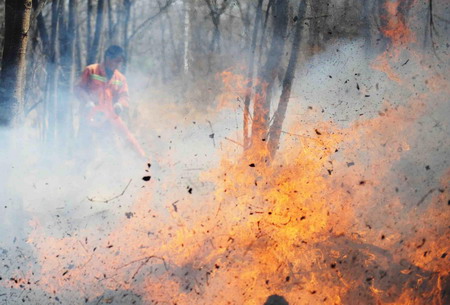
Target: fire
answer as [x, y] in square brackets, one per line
[399, 34]
[396, 28]
[326, 222]
[294, 228]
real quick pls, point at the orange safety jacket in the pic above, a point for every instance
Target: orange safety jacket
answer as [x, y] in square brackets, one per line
[104, 92]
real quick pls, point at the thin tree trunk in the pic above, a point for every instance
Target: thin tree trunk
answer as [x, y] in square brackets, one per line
[50, 105]
[61, 80]
[317, 27]
[187, 34]
[94, 50]
[125, 39]
[42, 29]
[12, 77]
[280, 114]
[263, 35]
[261, 108]
[176, 54]
[67, 38]
[39, 42]
[216, 12]
[78, 50]
[110, 20]
[215, 41]
[163, 49]
[90, 12]
[251, 68]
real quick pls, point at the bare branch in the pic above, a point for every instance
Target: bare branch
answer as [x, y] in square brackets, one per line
[111, 199]
[38, 9]
[151, 19]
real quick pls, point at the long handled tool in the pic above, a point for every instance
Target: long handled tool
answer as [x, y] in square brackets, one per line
[102, 112]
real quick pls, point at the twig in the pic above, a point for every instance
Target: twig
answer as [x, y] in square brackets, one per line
[425, 197]
[146, 260]
[219, 208]
[212, 134]
[99, 300]
[27, 112]
[87, 262]
[235, 142]
[111, 199]
[292, 134]
[140, 267]
[83, 246]
[174, 205]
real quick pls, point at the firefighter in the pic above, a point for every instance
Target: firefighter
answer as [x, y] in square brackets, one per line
[103, 94]
[103, 85]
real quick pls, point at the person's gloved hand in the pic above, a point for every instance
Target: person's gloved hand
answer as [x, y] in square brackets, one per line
[118, 108]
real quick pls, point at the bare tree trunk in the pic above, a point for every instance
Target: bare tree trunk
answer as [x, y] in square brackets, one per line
[67, 38]
[12, 77]
[60, 81]
[34, 95]
[187, 34]
[163, 49]
[90, 12]
[94, 50]
[50, 105]
[317, 28]
[42, 29]
[215, 41]
[251, 68]
[78, 50]
[261, 107]
[280, 114]
[38, 93]
[216, 12]
[176, 55]
[263, 35]
[245, 17]
[126, 19]
[110, 20]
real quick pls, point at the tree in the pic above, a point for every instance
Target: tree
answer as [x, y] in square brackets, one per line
[94, 48]
[12, 77]
[268, 73]
[216, 12]
[52, 71]
[67, 33]
[251, 68]
[317, 24]
[280, 113]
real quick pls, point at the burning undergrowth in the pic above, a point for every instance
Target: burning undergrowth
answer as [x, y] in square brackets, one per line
[319, 225]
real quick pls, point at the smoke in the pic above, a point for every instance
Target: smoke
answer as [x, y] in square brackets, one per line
[386, 180]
